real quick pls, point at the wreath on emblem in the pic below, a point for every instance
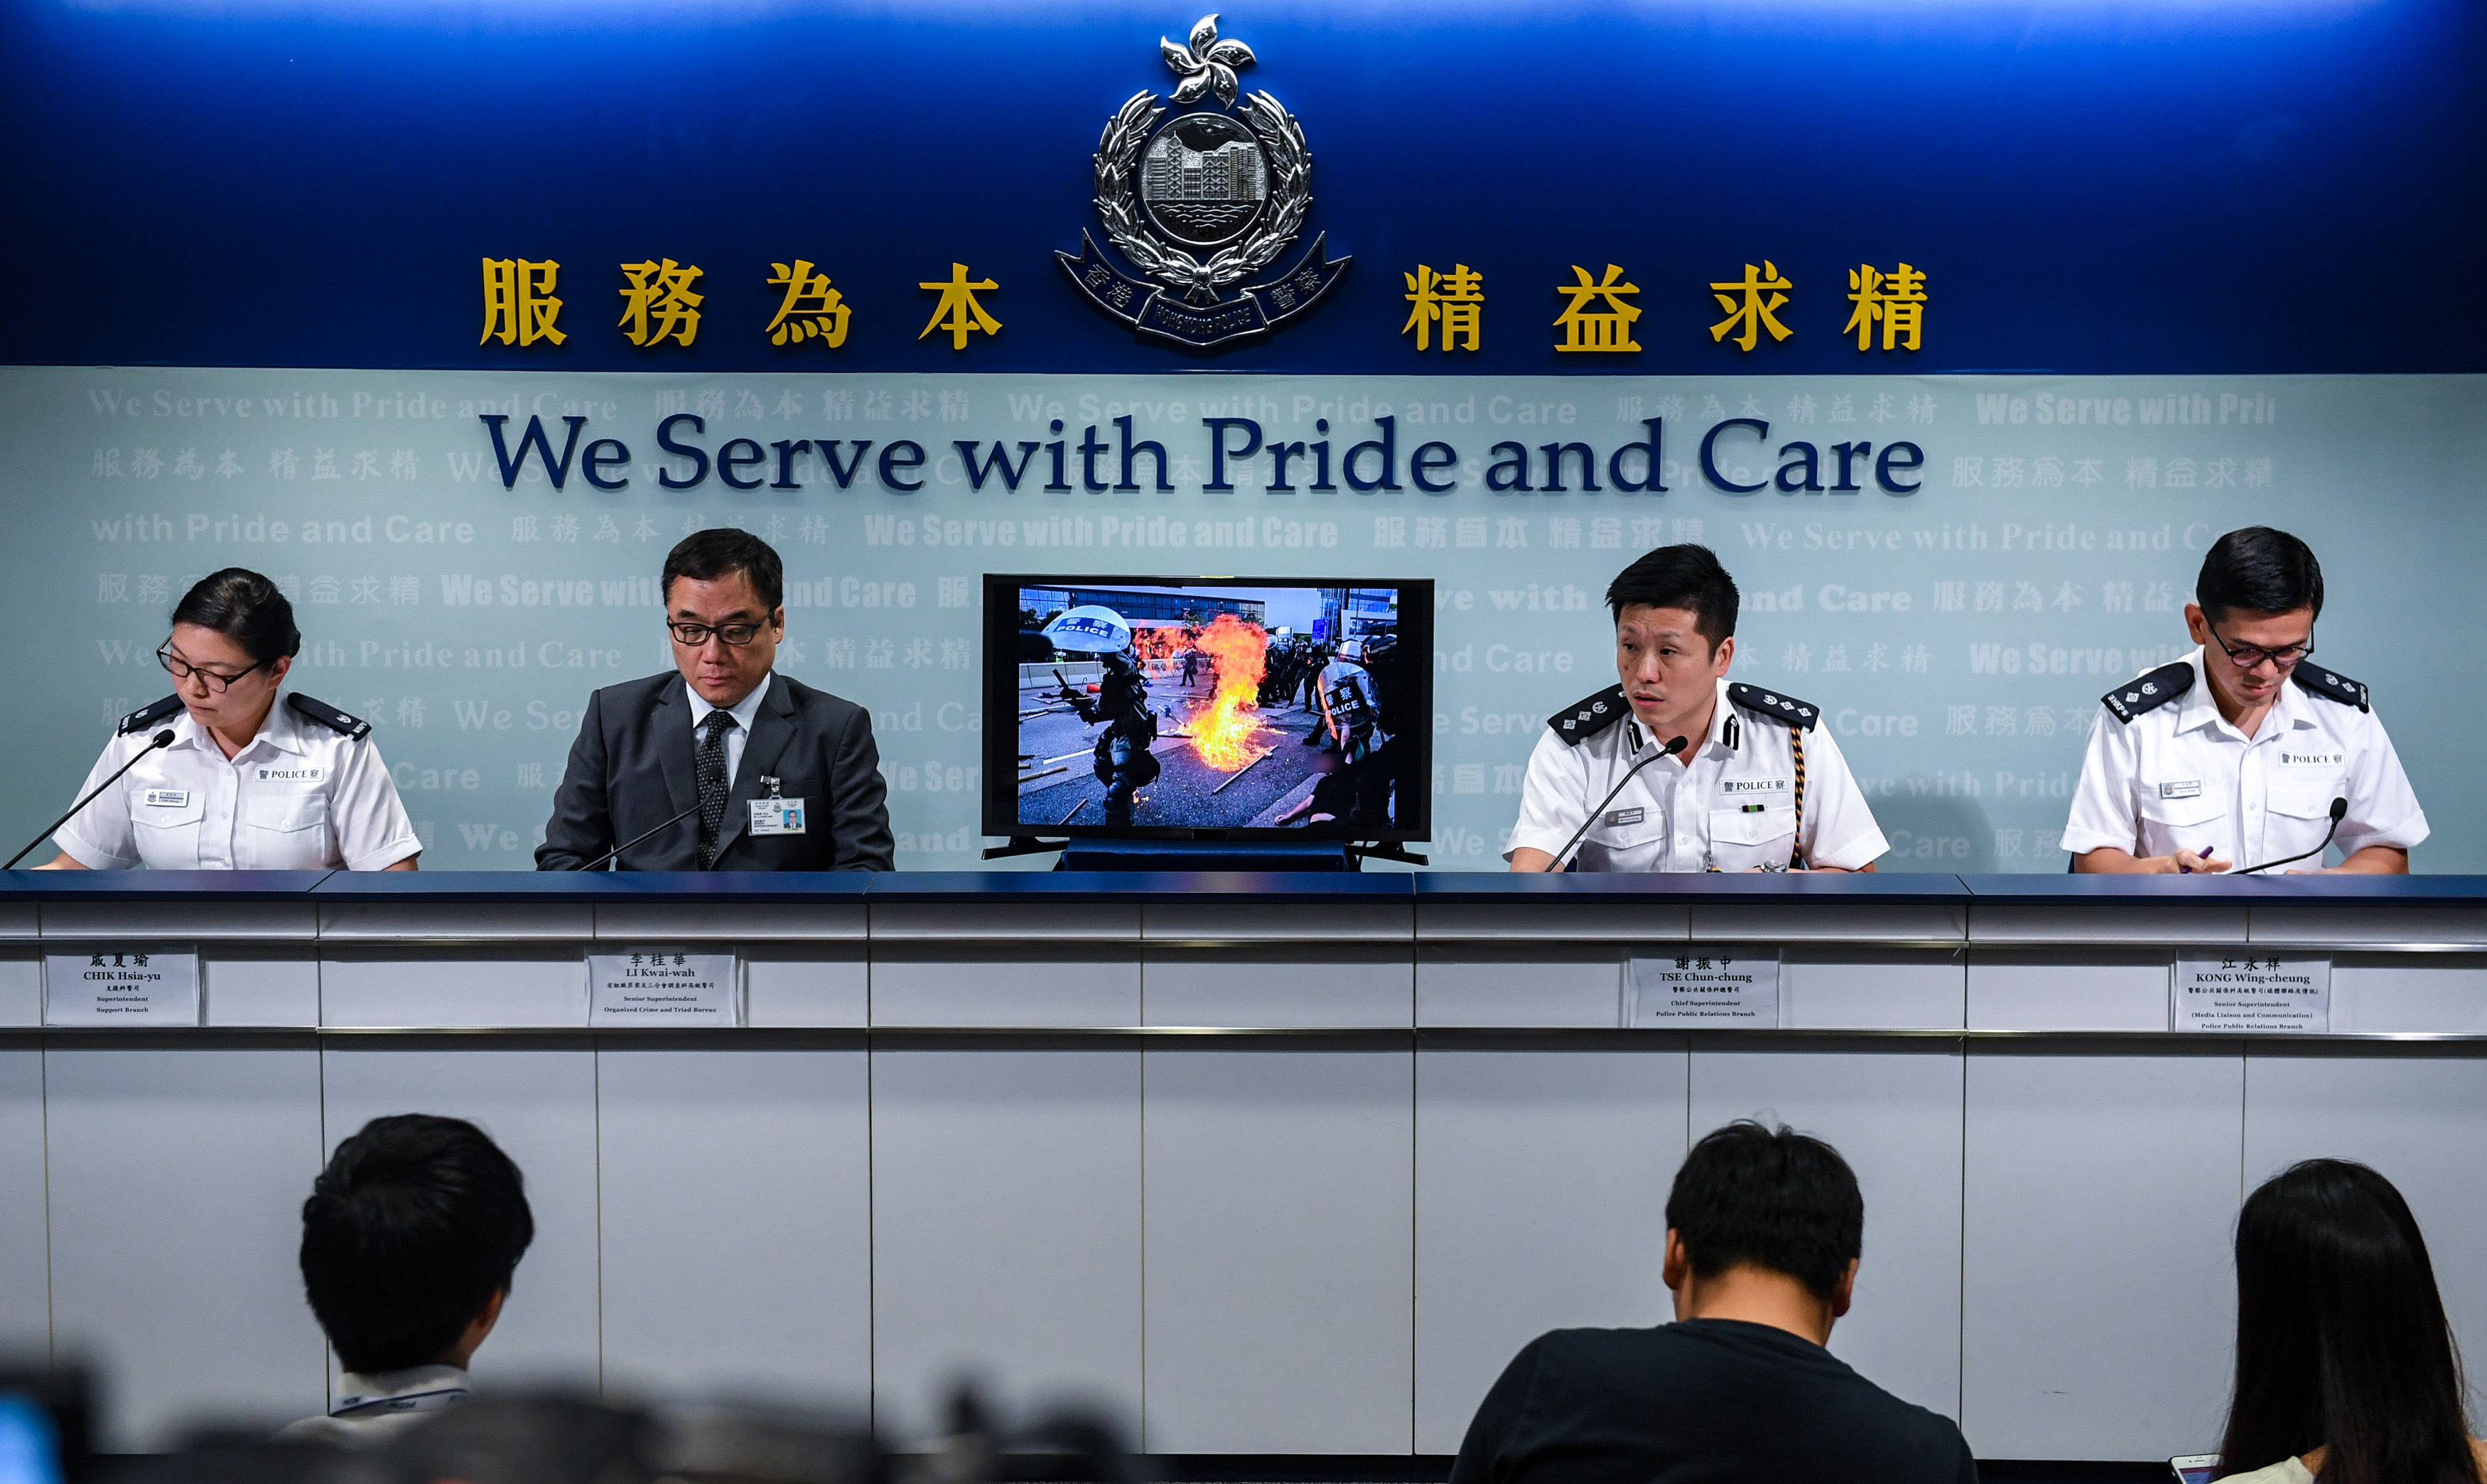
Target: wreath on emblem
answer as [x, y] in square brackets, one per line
[1203, 145]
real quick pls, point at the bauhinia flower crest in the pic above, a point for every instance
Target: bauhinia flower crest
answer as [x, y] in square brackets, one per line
[1206, 65]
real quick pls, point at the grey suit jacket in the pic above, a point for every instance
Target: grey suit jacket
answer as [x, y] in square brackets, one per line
[632, 767]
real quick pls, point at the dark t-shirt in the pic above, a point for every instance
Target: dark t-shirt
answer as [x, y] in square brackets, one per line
[1717, 1401]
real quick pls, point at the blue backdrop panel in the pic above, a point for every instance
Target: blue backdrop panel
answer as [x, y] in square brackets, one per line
[2092, 185]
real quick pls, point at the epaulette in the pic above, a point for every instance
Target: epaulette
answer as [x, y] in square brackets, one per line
[352, 728]
[1779, 709]
[149, 716]
[2331, 685]
[1585, 718]
[2148, 693]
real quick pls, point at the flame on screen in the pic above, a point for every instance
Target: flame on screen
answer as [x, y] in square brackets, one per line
[1224, 730]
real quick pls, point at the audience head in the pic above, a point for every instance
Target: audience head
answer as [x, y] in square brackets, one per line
[1749, 1196]
[2341, 1338]
[409, 1239]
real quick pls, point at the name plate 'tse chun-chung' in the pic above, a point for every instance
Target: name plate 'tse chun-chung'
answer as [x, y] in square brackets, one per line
[2287, 994]
[120, 987]
[1728, 988]
[652, 988]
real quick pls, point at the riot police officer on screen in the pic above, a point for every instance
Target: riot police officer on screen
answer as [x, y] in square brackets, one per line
[1124, 763]
[1756, 786]
[246, 784]
[2248, 749]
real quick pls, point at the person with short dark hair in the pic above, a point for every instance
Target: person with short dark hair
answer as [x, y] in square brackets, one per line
[1765, 1231]
[767, 773]
[2346, 1370]
[411, 1239]
[246, 784]
[2248, 749]
[1756, 784]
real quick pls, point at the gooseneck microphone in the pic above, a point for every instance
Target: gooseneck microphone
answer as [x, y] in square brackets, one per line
[1668, 751]
[613, 855]
[2339, 812]
[160, 740]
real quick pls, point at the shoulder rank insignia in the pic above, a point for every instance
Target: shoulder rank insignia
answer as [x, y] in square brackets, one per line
[352, 728]
[1585, 718]
[1799, 714]
[2331, 685]
[2148, 693]
[149, 716]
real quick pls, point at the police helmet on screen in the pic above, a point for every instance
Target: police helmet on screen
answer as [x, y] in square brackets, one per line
[1091, 628]
[1353, 652]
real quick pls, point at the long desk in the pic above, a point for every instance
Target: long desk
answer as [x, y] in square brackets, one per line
[1270, 1164]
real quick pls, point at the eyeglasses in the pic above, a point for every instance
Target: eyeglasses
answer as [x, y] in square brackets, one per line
[182, 670]
[2248, 656]
[691, 636]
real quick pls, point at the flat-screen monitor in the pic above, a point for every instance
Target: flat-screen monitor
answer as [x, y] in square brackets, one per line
[1209, 708]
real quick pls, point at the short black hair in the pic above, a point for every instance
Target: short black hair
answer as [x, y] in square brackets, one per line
[1688, 577]
[704, 556]
[1750, 1194]
[413, 1226]
[245, 608]
[2260, 570]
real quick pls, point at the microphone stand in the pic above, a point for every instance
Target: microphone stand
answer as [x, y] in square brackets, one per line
[613, 856]
[161, 739]
[1668, 751]
[2339, 812]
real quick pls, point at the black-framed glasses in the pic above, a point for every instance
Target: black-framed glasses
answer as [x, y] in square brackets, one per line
[181, 669]
[2248, 656]
[691, 636]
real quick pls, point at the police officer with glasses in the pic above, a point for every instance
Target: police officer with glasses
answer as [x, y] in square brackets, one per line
[245, 783]
[2248, 749]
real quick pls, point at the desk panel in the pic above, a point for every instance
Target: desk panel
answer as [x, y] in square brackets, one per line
[1541, 1204]
[537, 1100]
[735, 1219]
[1280, 1188]
[25, 1255]
[178, 1171]
[1894, 1112]
[1006, 1221]
[2098, 1307]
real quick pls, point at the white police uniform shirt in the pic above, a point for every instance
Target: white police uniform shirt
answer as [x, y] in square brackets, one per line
[2171, 773]
[1730, 806]
[300, 797]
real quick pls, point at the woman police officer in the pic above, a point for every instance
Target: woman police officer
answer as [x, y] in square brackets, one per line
[246, 784]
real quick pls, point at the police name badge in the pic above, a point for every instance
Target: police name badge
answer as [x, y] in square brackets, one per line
[774, 816]
[120, 987]
[1624, 817]
[165, 798]
[661, 987]
[2189, 789]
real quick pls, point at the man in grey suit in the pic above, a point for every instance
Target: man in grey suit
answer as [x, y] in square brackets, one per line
[770, 774]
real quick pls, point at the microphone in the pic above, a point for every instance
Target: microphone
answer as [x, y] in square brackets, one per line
[612, 856]
[160, 740]
[2339, 812]
[1668, 751]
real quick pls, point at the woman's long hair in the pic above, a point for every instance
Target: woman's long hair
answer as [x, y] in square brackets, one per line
[2341, 1339]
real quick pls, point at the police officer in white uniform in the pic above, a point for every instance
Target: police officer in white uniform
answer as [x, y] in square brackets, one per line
[1758, 786]
[248, 783]
[2238, 752]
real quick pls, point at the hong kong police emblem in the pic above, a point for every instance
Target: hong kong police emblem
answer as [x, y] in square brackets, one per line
[1202, 206]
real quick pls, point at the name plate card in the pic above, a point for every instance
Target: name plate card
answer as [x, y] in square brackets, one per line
[652, 988]
[2261, 994]
[1717, 988]
[120, 987]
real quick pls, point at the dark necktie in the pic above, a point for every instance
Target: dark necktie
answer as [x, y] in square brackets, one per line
[711, 784]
